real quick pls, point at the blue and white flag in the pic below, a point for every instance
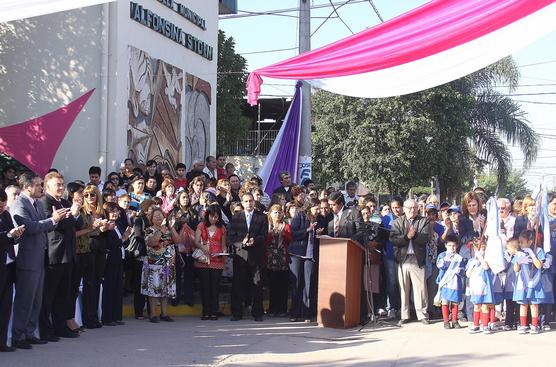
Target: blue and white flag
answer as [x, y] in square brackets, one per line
[494, 254]
[540, 194]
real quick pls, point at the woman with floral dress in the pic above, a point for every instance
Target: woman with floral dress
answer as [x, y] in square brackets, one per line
[159, 270]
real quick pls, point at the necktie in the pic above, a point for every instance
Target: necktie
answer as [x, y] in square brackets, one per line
[336, 225]
[248, 220]
[36, 207]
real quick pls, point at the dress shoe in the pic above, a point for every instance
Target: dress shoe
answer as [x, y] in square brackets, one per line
[214, 317]
[67, 333]
[258, 318]
[166, 318]
[402, 321]
[154, 319]
[120, 322]
[50, 338]
[22, 344]
[205, 317]
[37, 341]
[234, 318]
[5, 348]
[111, 323]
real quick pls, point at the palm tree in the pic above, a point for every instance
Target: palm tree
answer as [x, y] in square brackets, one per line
[496, 120]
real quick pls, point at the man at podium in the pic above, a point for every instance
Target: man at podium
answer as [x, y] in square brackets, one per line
[345, 222]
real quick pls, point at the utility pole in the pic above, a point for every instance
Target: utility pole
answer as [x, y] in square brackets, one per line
[305, 160]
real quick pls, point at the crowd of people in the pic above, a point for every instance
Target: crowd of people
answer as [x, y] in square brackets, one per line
[154, 231]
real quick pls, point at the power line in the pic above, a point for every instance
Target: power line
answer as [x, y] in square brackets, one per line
[330, 15]
[338, 14]
[537, 63]
[376, 11]
[279, 11]
[535, 102]
[268, 51]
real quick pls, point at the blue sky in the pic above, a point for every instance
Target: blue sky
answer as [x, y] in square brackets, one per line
[270, 32]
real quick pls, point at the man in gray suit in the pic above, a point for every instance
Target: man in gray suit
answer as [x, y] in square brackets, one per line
[30, 261]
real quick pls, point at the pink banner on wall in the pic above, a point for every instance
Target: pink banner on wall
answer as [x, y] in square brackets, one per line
[34, 143]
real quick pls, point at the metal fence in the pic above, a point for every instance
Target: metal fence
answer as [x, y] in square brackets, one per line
[255, 143]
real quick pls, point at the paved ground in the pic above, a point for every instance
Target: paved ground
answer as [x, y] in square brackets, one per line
[276, 342]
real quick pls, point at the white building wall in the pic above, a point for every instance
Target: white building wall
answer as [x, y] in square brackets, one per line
[47, 61]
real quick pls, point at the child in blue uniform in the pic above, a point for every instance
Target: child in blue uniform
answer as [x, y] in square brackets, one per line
[528, 290]
[546, 280]
[510, 321]
[480, 285]
[450, 287]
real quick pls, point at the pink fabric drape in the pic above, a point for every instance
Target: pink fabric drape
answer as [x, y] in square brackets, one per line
[34, 143]
[431, 29]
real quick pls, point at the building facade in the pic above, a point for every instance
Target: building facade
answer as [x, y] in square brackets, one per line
[152, 64]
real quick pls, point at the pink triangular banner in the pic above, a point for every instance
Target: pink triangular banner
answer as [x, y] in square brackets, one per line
[34, 143]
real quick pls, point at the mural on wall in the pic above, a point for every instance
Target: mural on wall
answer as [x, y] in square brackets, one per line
[196, 132]
[155, 110]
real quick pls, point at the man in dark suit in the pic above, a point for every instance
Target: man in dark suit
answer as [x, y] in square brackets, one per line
[285, 186]
[8, 236]
[410, 235]
[247, 233]
[61, 257]
[30, 260]
[344, 222]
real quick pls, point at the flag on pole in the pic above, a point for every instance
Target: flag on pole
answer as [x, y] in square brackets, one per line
[284, 153]
[540, 194]
[494, 254]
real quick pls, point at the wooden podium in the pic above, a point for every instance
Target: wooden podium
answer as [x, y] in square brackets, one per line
[339, 286]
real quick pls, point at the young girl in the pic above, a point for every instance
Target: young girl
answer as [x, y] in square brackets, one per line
[510, 321]
[450, 287]
[482, 294]
[546, 280]
[528, 290]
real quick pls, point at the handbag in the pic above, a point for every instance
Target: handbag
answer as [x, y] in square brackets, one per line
[137, 247]
[200, 256]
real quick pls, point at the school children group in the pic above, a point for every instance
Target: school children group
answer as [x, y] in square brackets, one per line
[523, 290]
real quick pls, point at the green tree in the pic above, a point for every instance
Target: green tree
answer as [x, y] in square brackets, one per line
[232, 76]
[516, 185]
[450, 132]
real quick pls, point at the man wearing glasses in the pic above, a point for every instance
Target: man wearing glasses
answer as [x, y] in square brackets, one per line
[507, 220]
[410, 235]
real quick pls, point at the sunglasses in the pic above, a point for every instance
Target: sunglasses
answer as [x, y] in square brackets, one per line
[90, 195]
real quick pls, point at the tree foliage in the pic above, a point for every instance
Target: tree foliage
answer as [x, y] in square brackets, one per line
[450, 131]
[515, 185]
[232, 76]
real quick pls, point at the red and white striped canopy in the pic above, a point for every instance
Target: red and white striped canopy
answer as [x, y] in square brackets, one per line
[436, 43]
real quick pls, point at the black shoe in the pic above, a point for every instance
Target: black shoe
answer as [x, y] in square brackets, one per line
[5, 348]
[120, 322]
[22, 344]
[111, 323]
[214, 317]
[166, 318]
[425, 322]
[205, 317]
[402, 321]
[258, 318]
[50, 338]
[154, 320]
[234, 318]
[37, 341]
[67, 334]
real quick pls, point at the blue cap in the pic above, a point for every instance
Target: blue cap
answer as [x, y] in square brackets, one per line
[454, 208]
